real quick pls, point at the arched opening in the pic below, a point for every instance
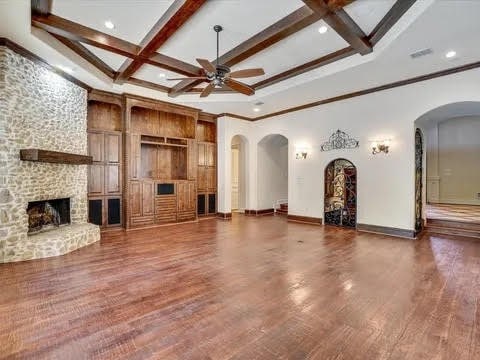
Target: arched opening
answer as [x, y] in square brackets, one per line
[418, 180]
[341, 193]
[239, 148]
[450, 163]
[272, 174]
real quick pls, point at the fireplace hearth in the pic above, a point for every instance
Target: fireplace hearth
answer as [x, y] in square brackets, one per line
[47, 214]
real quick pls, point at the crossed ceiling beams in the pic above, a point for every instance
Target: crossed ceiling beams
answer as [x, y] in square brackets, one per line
[72, 35]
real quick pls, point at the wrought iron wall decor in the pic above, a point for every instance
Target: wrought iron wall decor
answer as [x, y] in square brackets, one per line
[339, 140]
[341, 194]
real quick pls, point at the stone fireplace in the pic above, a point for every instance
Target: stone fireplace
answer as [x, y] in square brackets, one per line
[43, 206]
[47, 214]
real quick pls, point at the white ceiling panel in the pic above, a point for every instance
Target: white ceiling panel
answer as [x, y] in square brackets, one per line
[132, 19]
[109, 58]
[299, 48]
[240, 19]
[368, 13]
[157, 75]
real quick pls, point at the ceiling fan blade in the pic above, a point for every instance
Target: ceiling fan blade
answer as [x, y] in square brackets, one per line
[208, 89]
[247, 73]
[207, 66]
[188, 78]
[239, 87]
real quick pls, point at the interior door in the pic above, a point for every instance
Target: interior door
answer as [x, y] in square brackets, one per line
[235, 178]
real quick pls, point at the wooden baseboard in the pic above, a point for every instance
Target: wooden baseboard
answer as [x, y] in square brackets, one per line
[259, 212]
[224, 216]
[384, 230]
[304, 219]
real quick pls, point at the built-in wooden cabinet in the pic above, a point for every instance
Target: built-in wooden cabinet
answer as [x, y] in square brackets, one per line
[154, 163]
[105, 176]
[206, 168]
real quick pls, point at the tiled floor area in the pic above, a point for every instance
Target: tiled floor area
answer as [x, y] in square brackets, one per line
[468, 213]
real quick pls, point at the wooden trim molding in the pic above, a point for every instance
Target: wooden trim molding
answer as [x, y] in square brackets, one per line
[39, 61]
[259, 212]
[304, 219]
[409, 234]
[54, 157]
[224, 216]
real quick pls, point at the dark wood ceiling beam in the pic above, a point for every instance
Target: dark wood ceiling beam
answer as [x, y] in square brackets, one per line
[311, 65]
[280, 30]
[79, 33]
[393, 15]
[172, 64]
[172, 20]
[76, 32]
[87, 55]
[342, 23]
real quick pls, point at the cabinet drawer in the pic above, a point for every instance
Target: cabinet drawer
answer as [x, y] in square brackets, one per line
[141, 221]
[186, 215]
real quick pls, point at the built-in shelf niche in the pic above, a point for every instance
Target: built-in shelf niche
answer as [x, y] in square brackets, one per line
[161, 159]
[206, 131]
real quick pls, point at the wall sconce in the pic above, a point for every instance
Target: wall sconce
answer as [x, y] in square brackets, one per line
[380, 146]
[301, 153]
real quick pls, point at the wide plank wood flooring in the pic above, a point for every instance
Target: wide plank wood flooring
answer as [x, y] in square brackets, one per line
[250, 288]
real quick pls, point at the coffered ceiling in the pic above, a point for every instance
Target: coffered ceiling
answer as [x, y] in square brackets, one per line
[367, 42]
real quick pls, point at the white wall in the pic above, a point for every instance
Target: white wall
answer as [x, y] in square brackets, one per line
[272, 181]
[385, 182]
[459, 160]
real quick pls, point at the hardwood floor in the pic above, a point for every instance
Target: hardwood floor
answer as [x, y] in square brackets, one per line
[250, 288]
[464, 213]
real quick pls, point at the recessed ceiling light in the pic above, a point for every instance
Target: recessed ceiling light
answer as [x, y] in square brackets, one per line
[322, 29]
[256, 109]
[161, 75]
[109, 25]
[65, 69]
[450, 54]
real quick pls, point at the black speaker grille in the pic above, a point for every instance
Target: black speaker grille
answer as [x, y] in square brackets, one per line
[113, 211]
[95, 212]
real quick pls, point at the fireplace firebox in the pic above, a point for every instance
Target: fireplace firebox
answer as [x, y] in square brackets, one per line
[47, 214]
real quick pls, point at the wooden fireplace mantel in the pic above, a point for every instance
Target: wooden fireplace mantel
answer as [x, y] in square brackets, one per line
[54, 157]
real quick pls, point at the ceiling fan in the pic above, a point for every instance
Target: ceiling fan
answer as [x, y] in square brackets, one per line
[219, 75]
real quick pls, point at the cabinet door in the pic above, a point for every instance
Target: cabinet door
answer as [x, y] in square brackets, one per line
[112, 178]
[135, 154]
[202, 161]
[95, 179]
[114, 210]
[148, 198]
[202, 178]
[113, 148]
[212, 203]
[95, 211]
[96, 146]
[211, 157]
[211, 178]
[135, 198]
[186, 196]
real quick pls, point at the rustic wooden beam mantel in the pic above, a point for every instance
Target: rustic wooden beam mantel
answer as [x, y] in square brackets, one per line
[54, 157]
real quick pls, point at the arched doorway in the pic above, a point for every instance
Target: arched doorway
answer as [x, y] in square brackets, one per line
[418, 180]
[272, 173]
[239, 148]
[341, 193]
